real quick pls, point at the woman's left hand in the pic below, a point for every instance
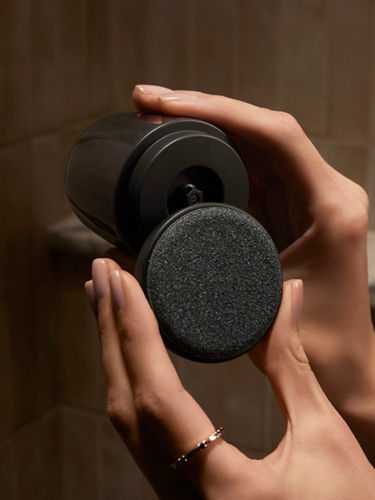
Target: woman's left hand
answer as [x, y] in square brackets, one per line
[159, 420]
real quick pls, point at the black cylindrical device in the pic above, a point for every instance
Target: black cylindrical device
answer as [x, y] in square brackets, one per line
[173, 191]
[127, 172]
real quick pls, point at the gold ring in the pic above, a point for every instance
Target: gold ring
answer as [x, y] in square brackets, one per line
[200, 446]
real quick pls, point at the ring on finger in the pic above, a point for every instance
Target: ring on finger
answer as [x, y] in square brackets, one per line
[200, 446]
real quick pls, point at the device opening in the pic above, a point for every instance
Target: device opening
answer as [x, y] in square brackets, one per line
[194, 185]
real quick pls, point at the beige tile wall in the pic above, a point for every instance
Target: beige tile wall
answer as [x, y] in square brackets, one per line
[64, 63]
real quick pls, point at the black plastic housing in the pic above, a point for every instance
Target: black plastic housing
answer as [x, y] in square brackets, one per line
[126, 170]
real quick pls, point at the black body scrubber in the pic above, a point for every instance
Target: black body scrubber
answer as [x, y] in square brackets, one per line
[174, 191]
[212, 276]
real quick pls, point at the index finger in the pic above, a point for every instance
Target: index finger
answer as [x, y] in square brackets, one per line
[288, 151]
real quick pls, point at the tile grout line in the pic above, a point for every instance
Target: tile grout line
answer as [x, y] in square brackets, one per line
[53, 130]
[280, 49]
[326, 70]
[371, 78]
[371, 187]
[50, 412]
[235, 51]
[192, 43]
[328, 47]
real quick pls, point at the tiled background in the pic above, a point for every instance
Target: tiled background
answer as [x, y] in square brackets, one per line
[62, 64]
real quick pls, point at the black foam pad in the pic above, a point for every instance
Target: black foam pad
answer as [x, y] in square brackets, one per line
[213, 278]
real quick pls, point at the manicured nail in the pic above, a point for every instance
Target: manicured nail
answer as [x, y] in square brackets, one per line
[152, 89]
[297, 300]
[117, 292]
[89, 288]
[177, 96]
[100, 278]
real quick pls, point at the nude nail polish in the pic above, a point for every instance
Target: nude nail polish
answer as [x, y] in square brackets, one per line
[296, 300]
[100, 278]
[117, 292]
[152, 89]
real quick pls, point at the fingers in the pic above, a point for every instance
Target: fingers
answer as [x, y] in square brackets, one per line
[289, 152]
[159, 396]
[175, 418]
[137, 367]
[286, 365]
[118, 387]
[150, 456]
[140, 374]
[130, 338]
[145, 96]
[149, 93]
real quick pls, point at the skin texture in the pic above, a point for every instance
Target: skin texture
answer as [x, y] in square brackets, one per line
[318, 220]
[158, 420]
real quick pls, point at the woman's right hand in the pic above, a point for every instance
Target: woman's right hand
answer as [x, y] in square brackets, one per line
[318, 219]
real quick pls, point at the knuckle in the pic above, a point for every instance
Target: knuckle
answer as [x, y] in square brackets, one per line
[148, 404]
[286, 123]
[153, 404]
[363, 200]
[118, 415]
[114, 411]
[297, 353]
[348, 216]
[356, 226]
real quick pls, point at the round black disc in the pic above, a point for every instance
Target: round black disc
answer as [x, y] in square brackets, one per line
[213, 278]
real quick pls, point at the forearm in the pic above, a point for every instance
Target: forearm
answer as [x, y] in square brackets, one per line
[359, 409]
[348, 378]
[337, 332]
[360, 416]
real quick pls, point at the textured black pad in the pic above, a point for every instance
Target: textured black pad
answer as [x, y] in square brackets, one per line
[214, 282]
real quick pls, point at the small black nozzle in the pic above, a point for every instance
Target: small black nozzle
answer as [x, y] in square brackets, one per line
[190, 195]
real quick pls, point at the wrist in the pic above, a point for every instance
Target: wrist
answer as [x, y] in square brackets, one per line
[345, 370]
[358, 376]
[357, 405]
[360, 417]
[363, 367]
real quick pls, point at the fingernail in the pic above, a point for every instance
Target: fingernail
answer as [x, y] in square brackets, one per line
[100, 278]
[117, 292]
[296, 300]
[89, 289]
[152, 89]
[177, 96]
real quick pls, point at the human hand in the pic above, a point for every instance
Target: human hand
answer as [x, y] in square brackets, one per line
[318, 219]
[159, 420]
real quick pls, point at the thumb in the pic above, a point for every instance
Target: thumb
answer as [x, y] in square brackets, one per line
[286, 365]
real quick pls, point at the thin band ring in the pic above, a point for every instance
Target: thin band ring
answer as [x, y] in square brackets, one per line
[200, 446]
